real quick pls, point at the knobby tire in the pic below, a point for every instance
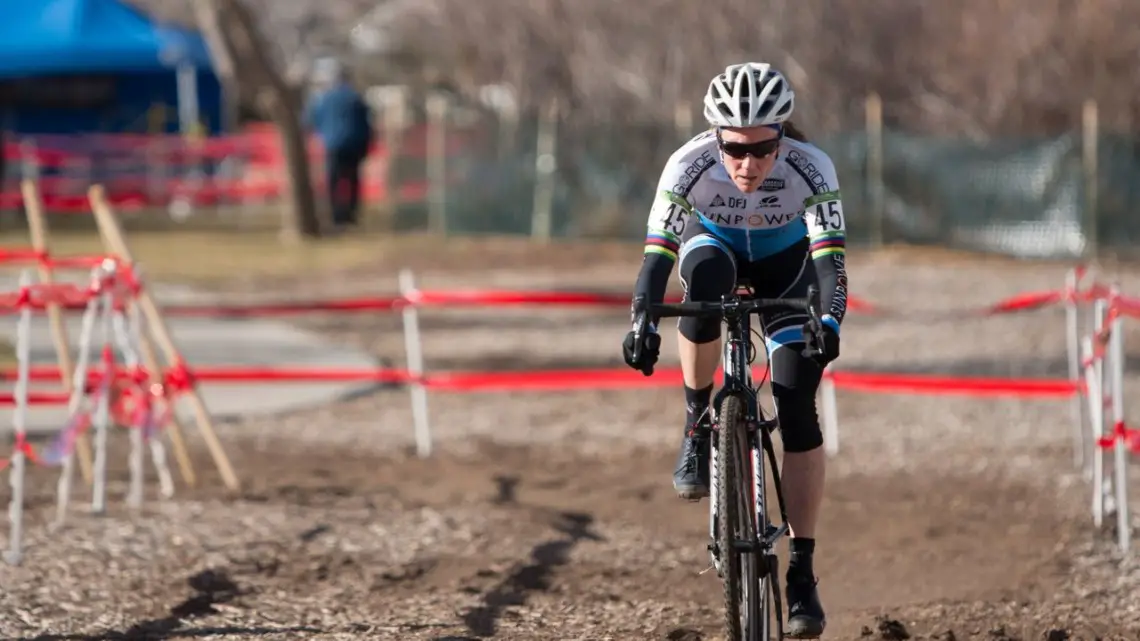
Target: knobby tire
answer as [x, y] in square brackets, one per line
[730, 419]
[734, 522]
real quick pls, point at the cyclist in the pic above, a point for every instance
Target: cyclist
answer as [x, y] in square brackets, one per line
[750, 200]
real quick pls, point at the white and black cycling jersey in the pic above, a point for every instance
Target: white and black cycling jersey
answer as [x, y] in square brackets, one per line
[798, 205]
[800, 197]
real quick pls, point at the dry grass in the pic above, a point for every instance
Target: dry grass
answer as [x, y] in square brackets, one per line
[7, 354]
[213, 256]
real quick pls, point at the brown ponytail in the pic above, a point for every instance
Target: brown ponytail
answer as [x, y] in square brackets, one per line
[793, 132]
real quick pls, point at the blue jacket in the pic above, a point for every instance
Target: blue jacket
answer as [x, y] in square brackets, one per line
[341, 118]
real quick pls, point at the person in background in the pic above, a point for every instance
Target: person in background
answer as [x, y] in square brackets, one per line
[338, 114]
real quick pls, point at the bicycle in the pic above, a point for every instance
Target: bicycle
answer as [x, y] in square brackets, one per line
[744, 560]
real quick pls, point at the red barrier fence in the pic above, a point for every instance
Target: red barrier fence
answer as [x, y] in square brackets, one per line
[1112, 308]
[141, 171]
[492, 298]
[622, 378]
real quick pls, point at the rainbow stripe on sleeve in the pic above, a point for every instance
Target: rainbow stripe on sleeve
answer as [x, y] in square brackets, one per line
[660, 242]
[828, 244]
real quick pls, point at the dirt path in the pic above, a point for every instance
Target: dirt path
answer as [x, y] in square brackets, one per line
[551, 516]
[515, 542]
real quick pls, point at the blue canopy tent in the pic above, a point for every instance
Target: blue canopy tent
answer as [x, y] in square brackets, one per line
[73, 66]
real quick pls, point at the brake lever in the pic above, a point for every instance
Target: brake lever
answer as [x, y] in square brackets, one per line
[638, 337]
[815, 322]
[640, 318]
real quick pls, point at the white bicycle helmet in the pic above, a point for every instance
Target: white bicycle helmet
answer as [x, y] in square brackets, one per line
[750, 94]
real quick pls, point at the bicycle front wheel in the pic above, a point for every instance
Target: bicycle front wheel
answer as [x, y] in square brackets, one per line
[747, 610]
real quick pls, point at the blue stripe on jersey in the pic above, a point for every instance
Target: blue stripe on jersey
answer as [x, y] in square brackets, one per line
[754, 244]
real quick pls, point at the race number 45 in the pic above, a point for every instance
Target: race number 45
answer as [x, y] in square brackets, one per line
[668, 216]
[829, 215]
[825, 213]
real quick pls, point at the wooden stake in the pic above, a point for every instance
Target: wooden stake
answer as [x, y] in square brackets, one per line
[150, 359]
[37, 225]
[113, 235]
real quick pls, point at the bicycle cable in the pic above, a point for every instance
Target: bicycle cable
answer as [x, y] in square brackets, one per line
[752, 345]
[752, 357]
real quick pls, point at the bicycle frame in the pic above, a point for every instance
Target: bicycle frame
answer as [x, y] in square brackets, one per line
[758, 431]
[755, 437]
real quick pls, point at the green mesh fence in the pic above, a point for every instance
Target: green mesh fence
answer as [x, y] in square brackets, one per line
[1022, 197]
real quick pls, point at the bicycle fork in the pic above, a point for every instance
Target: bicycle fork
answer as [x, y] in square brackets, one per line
[737, 381]
[766, 533]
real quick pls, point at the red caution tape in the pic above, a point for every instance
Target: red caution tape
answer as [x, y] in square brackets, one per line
[37, 398]
[552, 381]
[178, 379]
[1024, 302]
[21, 445]
[181, 378]
[384, 303]
[954, 385]
[859, 305]
[1128, 306]
[1121, 433]
[629, 379]
[297, 375]
[504, 297]
[32, 255]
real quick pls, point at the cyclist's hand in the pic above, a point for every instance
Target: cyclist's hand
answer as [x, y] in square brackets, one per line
[645, 358]
[642, 344]
[822, 340]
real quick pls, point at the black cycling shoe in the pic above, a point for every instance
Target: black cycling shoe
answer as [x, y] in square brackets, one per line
[691, 475]
[805, 612]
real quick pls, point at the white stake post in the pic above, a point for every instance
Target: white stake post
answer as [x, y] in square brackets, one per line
[19, 428]
[102, 419]
[132, 355]
[830, 416]
[1115, 357]
[135, 459]
[1096, 404]
[414, 349]
[1072, 335]
[74, 406]
[128, 334]
[1096, 411]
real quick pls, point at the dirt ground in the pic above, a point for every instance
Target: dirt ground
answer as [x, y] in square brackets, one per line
[551, 515]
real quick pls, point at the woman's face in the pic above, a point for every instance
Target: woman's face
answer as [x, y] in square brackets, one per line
[749, 154]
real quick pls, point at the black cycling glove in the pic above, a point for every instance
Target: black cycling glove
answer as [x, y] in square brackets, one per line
[643, 356]
[823, 348]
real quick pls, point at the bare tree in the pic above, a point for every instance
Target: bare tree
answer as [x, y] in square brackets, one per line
[242, 60]
[975, 67]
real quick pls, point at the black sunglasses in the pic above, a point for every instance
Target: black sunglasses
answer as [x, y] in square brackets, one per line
[760, 150]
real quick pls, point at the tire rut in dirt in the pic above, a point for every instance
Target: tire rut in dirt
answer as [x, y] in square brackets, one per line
[516, 542]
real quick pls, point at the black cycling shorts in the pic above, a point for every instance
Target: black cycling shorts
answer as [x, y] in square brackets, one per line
[709, 269]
